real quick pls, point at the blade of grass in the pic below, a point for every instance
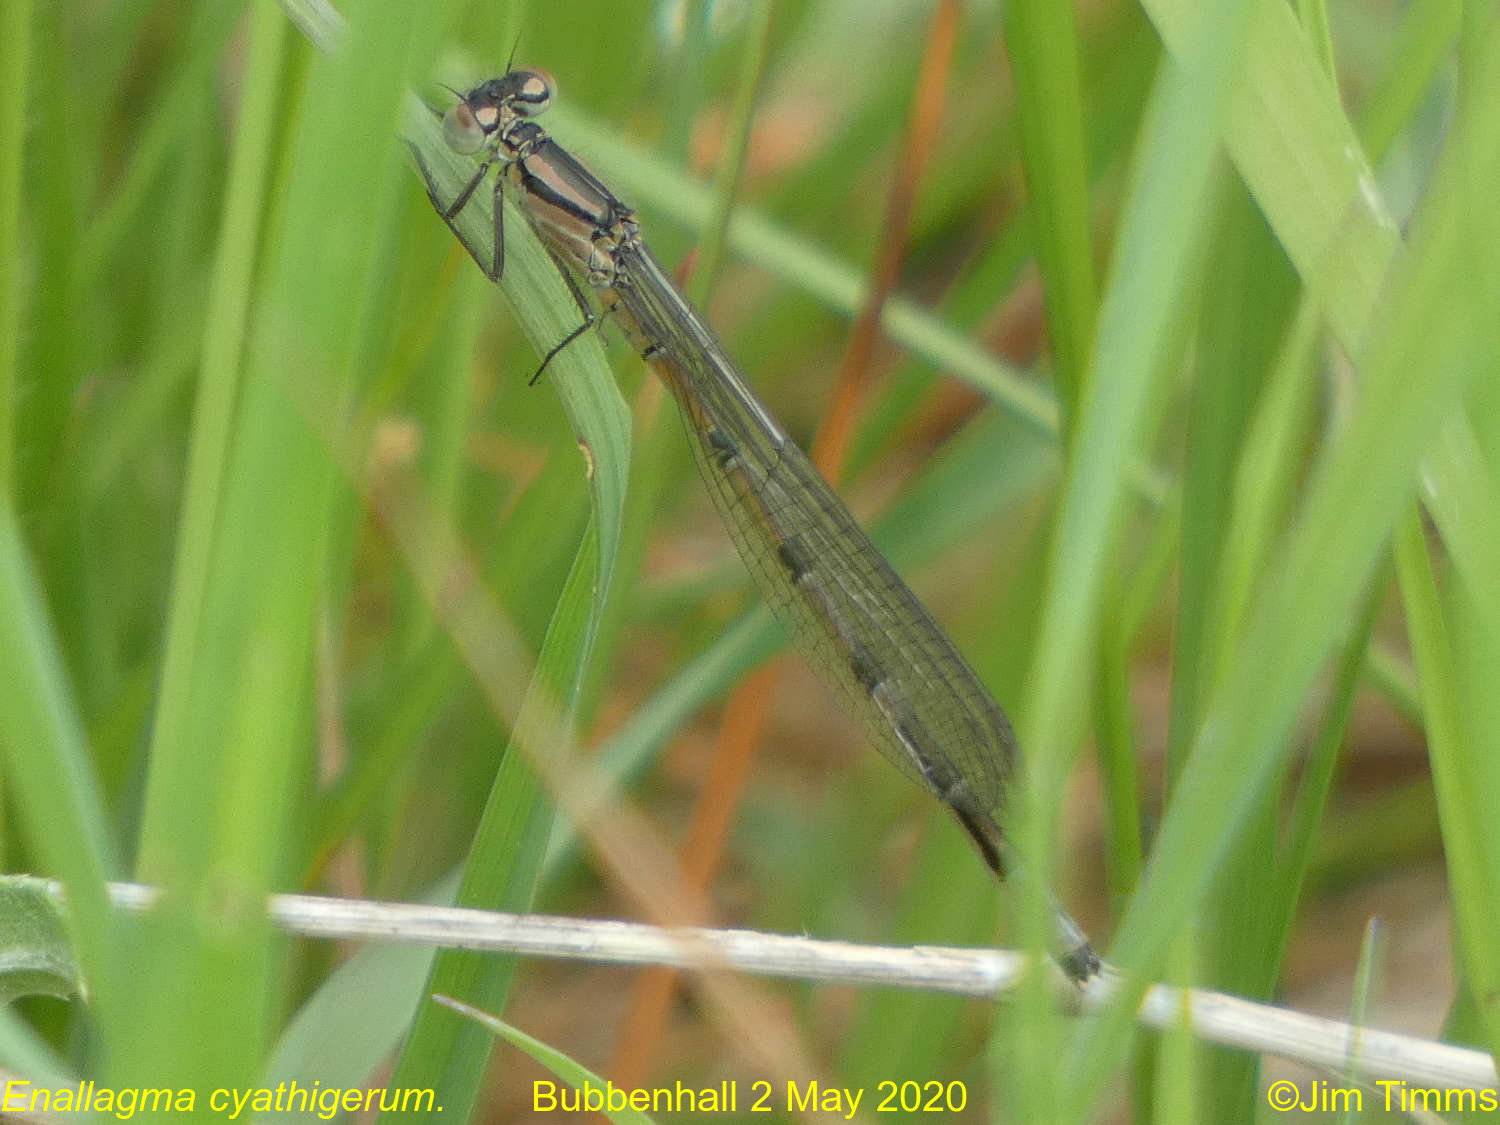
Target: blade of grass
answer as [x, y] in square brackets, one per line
[1140, 327]
[1296, 853]
[15, 57]
[508, 849]
[1369, 972]
[1041, 43]
[1460, 493]
[1113, 724]
[502, 868]
[23, 1051]
[445, 408]
[351, 1024]
[1244, 315]
[221, 346]
[1357, 492]
[1421, 47]
[1243, 318]
[220, 789]
[1178, 1089]
[1454, 749]
[50, 351]
[1298, 154]
[575, 1075]
[47, 765]
[200, 53]
[736, 149]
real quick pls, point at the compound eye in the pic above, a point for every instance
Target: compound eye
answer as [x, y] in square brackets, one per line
[462, 130]
[533, 90]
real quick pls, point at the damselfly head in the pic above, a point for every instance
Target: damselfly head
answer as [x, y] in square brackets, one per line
[477, 115]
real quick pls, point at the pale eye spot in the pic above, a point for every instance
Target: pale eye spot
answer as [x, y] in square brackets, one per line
[533, 92]
[461, 131]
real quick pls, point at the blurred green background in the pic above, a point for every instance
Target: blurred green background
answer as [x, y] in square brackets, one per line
[1183, 418]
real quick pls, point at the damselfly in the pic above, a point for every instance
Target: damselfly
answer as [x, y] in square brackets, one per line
[857, 623]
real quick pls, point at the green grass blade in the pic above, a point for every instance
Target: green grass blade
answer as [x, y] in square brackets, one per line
[1369, 974]
[508, 850]
[1356, 495]
[503, 865]
[222, 343]
[47, 763]
[1421, 48]
[1456, 661]
[1298, 154]
[1041, 43]
[576, 1076]
[1139, 329]
[1243, 316]
[15, 57]
[221, 789]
